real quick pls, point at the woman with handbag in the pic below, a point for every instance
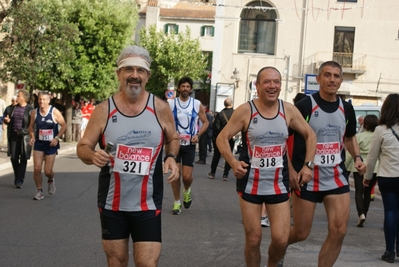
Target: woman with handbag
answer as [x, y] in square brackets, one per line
[385, 147]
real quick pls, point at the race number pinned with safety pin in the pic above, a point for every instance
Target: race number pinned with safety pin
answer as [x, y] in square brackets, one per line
[265, 157]
[185, 139]
[46, 134]
[327, 154]
[133, 160]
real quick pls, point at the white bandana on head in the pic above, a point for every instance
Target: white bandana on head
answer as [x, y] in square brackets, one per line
[134, 61]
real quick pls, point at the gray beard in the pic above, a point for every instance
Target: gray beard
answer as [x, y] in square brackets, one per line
[133, 91]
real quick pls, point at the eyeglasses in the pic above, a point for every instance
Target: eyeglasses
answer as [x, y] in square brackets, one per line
[130, 69]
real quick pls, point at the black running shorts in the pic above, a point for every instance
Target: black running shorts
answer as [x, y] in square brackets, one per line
[319, 196]
[186, 155]
[269, 199]
[142, 226]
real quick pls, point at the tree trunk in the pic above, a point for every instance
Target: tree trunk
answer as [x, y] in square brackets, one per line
[68, 116]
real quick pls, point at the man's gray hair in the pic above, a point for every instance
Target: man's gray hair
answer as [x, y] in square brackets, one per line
[136, 51]
[25, 93]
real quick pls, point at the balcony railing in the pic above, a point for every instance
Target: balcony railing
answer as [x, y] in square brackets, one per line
[344, 59]
[351, 63]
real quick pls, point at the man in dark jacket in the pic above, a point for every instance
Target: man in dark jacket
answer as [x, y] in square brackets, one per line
[203, 142]
[220, 121]
[19, 148]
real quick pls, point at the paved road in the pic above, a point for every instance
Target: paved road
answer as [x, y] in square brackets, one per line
[64, 230]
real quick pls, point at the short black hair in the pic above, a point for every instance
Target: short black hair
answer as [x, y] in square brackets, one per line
[186, 79]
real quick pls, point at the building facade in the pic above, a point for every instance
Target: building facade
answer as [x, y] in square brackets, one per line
[295, 36]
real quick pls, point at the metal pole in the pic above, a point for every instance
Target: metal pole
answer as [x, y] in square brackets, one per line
[288, 58]
[302, 44]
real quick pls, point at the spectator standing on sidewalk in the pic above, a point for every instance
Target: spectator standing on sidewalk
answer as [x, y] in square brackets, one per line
[19, 148]
[45, 136]
[220, 121]
[363, 193]
[186, 112]
[210, 135]
[76, 122]
[385, 147]
[87, 110]
[7, 111]
[2, 109]
[203, 142]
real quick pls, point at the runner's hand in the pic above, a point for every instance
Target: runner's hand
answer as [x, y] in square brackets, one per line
[101, 158]
[170, 165]
[239, 168]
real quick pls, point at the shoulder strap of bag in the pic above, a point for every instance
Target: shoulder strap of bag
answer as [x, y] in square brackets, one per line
[394, 133]
[224, 116]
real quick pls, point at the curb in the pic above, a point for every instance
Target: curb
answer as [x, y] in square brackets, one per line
[6, 167]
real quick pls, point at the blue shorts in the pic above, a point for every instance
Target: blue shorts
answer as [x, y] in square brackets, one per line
[319, 196]
[45, 147]
[186, 155]
[142, 226]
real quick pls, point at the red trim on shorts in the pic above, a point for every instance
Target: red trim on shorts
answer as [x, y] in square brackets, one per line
[157, 212]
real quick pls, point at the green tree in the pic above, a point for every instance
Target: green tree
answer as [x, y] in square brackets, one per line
[7, 6]
[106, 26]
[67, 46]
[174, 56]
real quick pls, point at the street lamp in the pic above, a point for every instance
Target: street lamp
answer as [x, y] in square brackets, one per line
[235, 76]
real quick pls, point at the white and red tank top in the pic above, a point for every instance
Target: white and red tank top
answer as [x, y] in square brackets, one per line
[264, 148]
[133, 179]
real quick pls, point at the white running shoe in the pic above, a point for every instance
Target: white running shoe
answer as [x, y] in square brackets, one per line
[39, 195]
[51, 187]
[264, 221]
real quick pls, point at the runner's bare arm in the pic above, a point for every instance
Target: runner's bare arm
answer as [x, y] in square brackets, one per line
[85, 148]
[61, 121]
[165, 117]
[204, 127]
[31, 124]
[353, 148]
[238, 122]
[203, 119]
[172, 143]
[297, 122]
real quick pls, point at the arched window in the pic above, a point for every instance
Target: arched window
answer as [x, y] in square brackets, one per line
[257, 29]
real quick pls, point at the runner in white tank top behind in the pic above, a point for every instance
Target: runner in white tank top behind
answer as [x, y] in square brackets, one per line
[262, 168]
[130, 187]
[333, 120]
[186, 111]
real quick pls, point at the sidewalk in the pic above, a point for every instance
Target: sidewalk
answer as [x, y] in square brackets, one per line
[5, 163]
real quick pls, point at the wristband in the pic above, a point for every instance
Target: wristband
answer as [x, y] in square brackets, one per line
[57, 138]
[358, 156]
[169, 156]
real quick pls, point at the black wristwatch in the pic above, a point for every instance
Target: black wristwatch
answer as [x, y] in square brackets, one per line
[358, 156]
[170, 155]
[309, 164]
